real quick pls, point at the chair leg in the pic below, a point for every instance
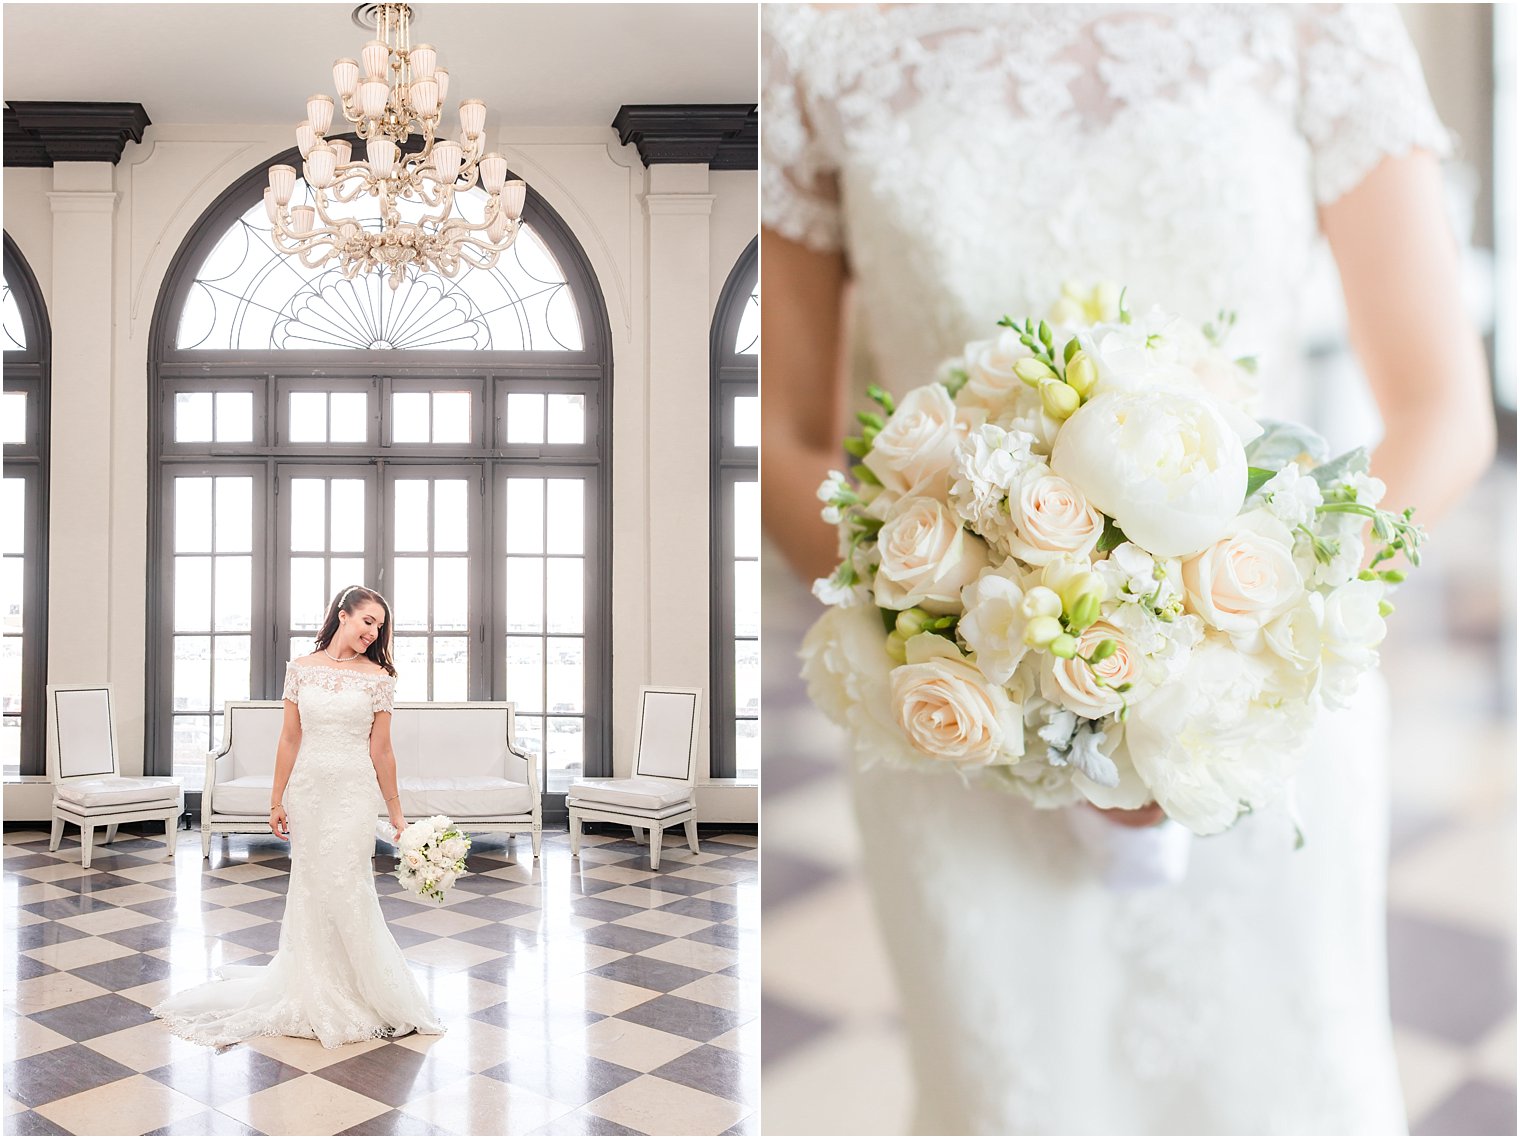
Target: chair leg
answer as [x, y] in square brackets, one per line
[205, 840]
[575, 837]
[110, 833]
[656, 838]
[538, 840]
[171, 832]
[57, 833]
[86, 842]
[691, 836]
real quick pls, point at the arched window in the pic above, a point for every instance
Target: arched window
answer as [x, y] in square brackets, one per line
[735, 529]
[446, 443]
[23, 517]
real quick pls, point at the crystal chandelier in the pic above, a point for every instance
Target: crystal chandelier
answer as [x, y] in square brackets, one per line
[398, 93]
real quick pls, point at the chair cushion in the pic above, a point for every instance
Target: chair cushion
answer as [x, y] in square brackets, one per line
[465, 797]
[117, 791]
[245, 795]
[651, 794]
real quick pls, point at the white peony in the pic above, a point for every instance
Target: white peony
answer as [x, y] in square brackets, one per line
[846, 667]
[1156, 351]
[1245, 579]
[994, 620]
[926, 558]
[1049, 519]
[916, 447]
[1168, 468]
[948, 710]
[455, 848]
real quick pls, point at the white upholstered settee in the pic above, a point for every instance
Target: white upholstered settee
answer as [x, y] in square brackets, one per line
[451, 759]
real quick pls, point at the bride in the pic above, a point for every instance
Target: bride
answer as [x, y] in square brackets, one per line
[937, 166]
[338, 975]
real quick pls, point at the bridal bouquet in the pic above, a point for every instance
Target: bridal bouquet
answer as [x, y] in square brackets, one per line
[431, 856]
[1075, 566]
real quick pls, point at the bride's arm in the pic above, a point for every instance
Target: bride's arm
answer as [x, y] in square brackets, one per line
[1423, 357]
[384, 759]
[805, 334]
[284, 764]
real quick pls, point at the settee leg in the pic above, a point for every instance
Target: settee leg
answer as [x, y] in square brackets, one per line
[538, 840]
[205, 840]
[656, 838]
[57, 836]
[171, 833]
[110, 833]
[691, 836]
[638, 834]
[86, 843]
[575, 837]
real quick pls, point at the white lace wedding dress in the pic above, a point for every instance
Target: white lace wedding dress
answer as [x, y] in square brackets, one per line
[338, 975]
[968, 159]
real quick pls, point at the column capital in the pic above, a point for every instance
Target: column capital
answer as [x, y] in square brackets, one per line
[83, 201]
[691, 205]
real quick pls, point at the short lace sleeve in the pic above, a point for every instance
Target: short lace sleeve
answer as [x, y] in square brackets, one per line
[383, 694]
[799, 195]
[292, 684]
[1363, 96]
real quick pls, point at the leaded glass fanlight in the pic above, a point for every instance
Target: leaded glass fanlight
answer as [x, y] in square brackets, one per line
[248, 296]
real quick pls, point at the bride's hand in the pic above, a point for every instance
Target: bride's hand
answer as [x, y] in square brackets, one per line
[398, 821]
[279, 823]
[1147, 816]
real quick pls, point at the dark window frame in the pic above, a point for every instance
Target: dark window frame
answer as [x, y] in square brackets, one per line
[731, 375]
[30, 370]
[171, 368]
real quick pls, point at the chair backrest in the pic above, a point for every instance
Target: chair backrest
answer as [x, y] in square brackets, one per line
[251, 731]
[668, 722]
[82, 732]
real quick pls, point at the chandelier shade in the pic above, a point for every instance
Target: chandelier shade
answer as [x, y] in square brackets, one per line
[392, 93]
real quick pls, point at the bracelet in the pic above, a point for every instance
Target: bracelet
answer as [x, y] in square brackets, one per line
[394, 797]
[276, 806]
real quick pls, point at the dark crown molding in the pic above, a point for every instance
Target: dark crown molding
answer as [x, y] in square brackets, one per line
[722, 136]
[40, 134]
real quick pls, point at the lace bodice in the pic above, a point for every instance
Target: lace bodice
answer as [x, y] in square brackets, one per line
[970, 158]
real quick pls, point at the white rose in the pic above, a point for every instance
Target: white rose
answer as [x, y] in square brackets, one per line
[1073, 684]
[1167, 468]
[1353, 626]
[949, 711]
[1245, 579]
[1294, 637]
[926, 557]
[916, 447]
[448, 880]
[990, 381]
[413, 859]
[994, 621]
[1049, 519]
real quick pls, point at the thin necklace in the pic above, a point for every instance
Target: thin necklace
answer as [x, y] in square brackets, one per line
[341, 660]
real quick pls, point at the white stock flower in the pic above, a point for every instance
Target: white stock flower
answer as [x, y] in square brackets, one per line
[1049, 519]
[1130, 574]
[993, 623]
[1351, 629]
[1168, 468]
[1291, 496]
[988, 465]
[1245, 579]
[948, 710]
[916, 447]
[1364, 488]
[926, 558]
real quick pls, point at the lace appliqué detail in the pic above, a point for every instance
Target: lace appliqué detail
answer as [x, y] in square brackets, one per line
[379, 686]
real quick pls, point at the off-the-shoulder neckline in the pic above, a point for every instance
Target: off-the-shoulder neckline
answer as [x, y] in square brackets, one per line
[345, 671]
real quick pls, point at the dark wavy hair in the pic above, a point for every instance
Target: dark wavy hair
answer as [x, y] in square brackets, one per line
[346, 601]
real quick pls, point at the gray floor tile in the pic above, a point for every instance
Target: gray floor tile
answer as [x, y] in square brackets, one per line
[1475, 1108]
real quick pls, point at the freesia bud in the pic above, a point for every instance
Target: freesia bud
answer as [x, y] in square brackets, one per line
[1032, 371]
[1082, 374]
[1106, 648]
[1041, 631]
[1082, 585]
[897, 647]
[1385, 608]
[1064, 646]
[1083, 613]
[911, 622]
[1041, 601]
[1060, 399]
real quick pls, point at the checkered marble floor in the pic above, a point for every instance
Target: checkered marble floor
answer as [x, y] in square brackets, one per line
[835, 1059]
[592, 997]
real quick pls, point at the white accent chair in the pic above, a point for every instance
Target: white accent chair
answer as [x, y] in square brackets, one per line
[662, 791]
[89, 789]
[454, 759]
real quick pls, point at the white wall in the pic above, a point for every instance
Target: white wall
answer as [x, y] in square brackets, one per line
[113, 272]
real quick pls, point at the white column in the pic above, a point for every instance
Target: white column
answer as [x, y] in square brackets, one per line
[83, 203]
[678, 207]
